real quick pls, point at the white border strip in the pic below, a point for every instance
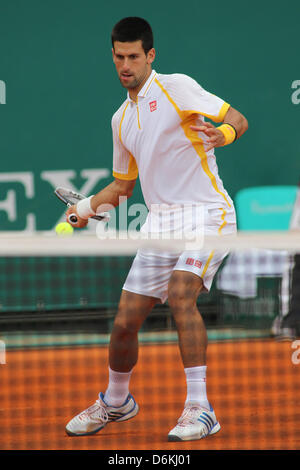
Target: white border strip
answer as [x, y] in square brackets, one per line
[45, 244]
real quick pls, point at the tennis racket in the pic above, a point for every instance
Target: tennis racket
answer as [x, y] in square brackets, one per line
[70, 198]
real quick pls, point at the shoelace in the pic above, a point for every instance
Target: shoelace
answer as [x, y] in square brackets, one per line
[189, 415]
[96, 413]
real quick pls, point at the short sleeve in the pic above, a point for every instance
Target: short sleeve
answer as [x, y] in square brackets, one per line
[190, 97]
[124, 164]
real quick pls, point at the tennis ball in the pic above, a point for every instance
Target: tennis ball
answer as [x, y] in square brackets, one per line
[64, 229]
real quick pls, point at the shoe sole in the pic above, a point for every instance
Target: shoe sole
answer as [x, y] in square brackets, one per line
[130, 415]
[73, 434]
[174, 438]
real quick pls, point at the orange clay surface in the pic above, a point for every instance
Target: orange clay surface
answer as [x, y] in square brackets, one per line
[253, 385]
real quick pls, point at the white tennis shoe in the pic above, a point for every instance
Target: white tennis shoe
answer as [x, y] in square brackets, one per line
[194, 423]
[94, 418]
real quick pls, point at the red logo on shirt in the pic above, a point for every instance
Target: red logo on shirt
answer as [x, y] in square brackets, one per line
[198, 263]
[190, 261]
[153, 106]
[193, 262]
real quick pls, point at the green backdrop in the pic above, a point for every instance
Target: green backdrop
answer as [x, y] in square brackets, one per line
[59, 90]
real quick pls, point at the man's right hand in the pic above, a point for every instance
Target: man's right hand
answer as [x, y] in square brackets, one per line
[81, 223]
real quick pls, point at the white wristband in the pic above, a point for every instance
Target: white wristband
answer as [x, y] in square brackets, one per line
[84, 209]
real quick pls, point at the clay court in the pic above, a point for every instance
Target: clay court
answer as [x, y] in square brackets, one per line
[253, 386]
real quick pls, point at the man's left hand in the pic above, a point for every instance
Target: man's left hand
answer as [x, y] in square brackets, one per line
[216, 137]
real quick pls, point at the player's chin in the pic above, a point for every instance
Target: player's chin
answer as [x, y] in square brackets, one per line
[128, 81]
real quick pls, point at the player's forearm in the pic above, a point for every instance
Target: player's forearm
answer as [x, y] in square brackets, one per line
[237, 120]
[111, 195]
[233, 127]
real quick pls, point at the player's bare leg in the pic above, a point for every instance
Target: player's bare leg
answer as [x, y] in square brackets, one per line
[117, 404]
[198, 419]
[183, 292]
[123, 349]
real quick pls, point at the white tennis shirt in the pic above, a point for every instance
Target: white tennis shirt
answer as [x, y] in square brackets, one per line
[152, 139]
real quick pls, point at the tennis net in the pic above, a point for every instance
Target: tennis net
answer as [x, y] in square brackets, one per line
[58, 300]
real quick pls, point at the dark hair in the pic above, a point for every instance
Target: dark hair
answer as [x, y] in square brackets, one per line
[132, 29]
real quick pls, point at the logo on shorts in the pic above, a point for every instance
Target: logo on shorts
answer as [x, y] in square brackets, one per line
[193, 262]
[153, 106]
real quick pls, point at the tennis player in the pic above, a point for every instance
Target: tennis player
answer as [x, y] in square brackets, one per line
[160, 133]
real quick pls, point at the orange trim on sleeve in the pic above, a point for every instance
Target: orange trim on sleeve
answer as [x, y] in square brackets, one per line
[121, 176]
[219, 118]
[222, 113]
[132, 172]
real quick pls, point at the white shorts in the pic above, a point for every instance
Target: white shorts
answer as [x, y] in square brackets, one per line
[151, 271]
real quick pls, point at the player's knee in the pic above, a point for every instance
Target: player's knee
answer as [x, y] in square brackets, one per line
[181, 305]
[124, 329]
[180, 301]
[125, 326]
[183, 292]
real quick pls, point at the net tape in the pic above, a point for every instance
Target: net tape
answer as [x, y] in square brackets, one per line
[124, 243]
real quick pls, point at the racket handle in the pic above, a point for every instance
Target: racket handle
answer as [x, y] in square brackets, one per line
[73, 218]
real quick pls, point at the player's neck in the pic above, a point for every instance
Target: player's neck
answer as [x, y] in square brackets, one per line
[133, 93]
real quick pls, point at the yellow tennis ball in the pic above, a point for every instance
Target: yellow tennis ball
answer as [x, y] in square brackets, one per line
[64, 229]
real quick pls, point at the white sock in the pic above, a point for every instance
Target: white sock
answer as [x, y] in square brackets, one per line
[196, 385]
[118, 388]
